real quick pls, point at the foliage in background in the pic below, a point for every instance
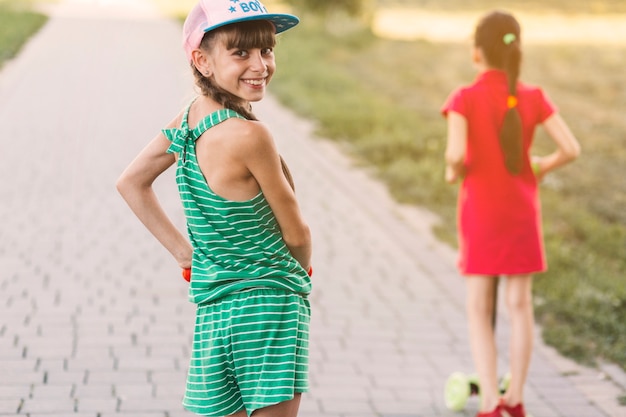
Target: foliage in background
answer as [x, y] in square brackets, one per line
[175, 8]
[17, 23]
[380, 100]
[351, 7]
[543, 6]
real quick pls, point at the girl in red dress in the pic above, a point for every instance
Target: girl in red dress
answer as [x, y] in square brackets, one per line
[490, 130]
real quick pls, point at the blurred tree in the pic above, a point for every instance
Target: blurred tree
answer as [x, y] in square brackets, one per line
[357, 8]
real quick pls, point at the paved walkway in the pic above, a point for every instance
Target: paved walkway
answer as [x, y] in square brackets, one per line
[94, 320]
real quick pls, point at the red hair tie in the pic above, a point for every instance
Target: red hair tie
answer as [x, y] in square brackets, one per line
[511, 102]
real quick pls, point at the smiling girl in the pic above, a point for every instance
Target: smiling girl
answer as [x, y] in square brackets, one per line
[248, 250]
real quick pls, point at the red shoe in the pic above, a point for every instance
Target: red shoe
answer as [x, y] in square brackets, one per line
[517, 411]
[494, 413]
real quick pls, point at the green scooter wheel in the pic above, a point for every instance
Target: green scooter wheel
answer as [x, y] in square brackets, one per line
[457, 391]
[505, 382]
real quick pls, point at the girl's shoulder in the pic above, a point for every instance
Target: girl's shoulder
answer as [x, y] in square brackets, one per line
[536, 97]
[253, 133]
[526, 86]
[235, 129]
[203, 114]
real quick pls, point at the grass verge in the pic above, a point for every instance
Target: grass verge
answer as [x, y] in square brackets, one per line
[17, 23]
[380, 99]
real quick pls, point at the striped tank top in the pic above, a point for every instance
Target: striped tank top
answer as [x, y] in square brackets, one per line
[236, 245]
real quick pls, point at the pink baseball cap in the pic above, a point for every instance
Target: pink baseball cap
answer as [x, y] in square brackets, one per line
[211, 14]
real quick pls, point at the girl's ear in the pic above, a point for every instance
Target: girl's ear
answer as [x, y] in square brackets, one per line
[201, 62]
[478, 58]
[477, 55]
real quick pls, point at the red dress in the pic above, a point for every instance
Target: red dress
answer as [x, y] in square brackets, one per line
[499, 215]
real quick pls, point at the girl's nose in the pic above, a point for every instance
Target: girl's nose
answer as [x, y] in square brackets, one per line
[258, 63]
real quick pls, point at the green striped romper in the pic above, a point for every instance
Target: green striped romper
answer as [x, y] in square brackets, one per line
[250, 345]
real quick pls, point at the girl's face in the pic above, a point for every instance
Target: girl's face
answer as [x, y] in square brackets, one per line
[244, 73]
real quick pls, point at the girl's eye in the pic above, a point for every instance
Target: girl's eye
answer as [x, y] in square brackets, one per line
[244, 54]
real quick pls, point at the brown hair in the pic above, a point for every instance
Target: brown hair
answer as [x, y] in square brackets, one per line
[498, 36]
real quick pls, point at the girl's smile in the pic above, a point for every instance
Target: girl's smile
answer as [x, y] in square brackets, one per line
[255, 83]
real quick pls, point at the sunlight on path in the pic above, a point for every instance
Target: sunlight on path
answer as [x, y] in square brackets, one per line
[411, 24]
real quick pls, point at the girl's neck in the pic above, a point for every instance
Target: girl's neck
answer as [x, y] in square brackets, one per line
[482, 66]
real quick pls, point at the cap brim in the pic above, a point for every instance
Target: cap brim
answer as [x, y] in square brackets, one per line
[281, 21]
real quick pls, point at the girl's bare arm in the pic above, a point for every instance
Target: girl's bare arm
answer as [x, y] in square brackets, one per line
[135, 186]
[568, 147]
[456, 147]
[262, 159]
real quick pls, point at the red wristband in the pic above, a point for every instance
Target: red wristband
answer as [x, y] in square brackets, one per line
[310, 271]
[187, 274]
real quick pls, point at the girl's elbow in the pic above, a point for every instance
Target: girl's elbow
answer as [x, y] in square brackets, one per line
[454, 158]
[575, 151]
[298, 239]
[121, 184]
[571, 153]
[126, 185]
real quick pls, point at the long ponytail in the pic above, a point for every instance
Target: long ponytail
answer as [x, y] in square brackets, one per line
[498, 35]
[511, 133]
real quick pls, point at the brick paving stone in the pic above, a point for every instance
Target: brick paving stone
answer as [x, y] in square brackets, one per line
[304, 413]
[180, 414]
[134, 414]
[97, 405]
[169, 377]
[48, 405]
[41, 392]
[63, 415]
[17, 364]
[96, 363]
[113, 377]
[61, 377]
[9, 406]
[13, 378]
[342, 406]
[174, 390]
[152, 364]
[13, 392]
[102, 391]
[149, 404]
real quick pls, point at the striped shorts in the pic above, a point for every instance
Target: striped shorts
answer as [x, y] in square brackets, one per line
[250, 351]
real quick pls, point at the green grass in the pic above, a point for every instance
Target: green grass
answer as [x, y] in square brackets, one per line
[17, 24]
[543, 6]
[380, 100]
